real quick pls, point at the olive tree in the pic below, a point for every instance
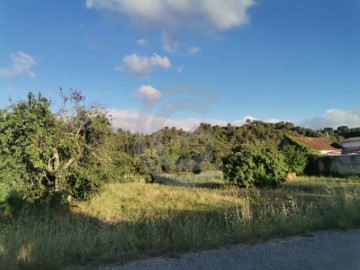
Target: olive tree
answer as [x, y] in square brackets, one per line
[42, 153]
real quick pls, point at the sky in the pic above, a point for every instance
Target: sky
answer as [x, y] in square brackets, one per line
[156, 63]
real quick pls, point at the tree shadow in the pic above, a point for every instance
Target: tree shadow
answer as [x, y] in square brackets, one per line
[53, 236]
[171, 181]
[40, 236]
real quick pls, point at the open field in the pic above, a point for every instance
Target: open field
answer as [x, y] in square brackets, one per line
[129, 220]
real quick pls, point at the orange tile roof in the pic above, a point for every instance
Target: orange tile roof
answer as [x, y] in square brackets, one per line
[317, 144]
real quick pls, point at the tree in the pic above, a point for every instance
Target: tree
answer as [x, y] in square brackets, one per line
[28, 135]
[254, 165]
[295, 158]
[121, 150]
[148, 164]
[46, 155]
[81, 161]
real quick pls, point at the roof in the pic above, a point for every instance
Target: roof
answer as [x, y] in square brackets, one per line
[317, 144]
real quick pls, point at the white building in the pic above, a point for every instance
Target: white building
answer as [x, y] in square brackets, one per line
[351, 146]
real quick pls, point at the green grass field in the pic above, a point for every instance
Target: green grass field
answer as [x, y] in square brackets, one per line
[129, 220]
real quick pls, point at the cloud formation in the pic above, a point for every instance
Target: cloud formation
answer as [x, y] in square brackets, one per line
[170, 44]
[172, 15]
[141, 65]
[136, 121]
[142, 122]
[21, 64]
[141, 41]
[148, 94]
[333, 118]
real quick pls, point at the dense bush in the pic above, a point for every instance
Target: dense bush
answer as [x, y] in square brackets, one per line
[28, 135]
[254, 165]
[296, 158]
[43, 154]
[148, 165]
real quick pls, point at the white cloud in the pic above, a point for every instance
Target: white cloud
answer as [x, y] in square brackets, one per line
[142, 122]
[333, 118]
[141, 41]
[205, 15]
[194, 50]
[148, 94]
[141, 65]
[21, 64]
[169, 44]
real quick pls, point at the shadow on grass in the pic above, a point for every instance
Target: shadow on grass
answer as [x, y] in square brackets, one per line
[46, 236]
[49, 236]
[172, 181]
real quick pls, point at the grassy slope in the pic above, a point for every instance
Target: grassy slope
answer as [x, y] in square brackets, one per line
[130, 219]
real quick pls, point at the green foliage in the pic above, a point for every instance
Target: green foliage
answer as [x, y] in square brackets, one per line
[81, 162]
[43, 155]
[123, 164]
[255, 165]
[28, 134]
[202, 166]
[181, 151]
[75, 151]
[295, 158]
[148, 165]
[204, 149]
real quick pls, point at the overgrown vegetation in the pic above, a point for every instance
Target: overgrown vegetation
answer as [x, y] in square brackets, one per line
[255, 165]
[204, 149]
[44, 155]
[127, 220]
[296, 158]
[70, 189]
[75, 151]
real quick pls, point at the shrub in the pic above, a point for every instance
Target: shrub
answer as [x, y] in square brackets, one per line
[255, 165]
[148, 164]
[295, 158]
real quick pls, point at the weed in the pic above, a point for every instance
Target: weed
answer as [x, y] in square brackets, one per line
[137, 218]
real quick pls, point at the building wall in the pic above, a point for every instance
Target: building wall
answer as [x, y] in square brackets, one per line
[346, 165]
[351, 144]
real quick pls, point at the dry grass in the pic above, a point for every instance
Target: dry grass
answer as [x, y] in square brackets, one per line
[127, 220]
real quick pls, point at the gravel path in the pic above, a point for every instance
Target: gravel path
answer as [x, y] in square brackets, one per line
[321, 250]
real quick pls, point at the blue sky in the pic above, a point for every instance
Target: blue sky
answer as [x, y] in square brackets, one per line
[152, 63]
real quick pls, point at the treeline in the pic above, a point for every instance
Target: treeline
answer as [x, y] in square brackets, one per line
[74, 151]
[174, 150]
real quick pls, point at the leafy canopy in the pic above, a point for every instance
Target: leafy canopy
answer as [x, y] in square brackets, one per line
[254, 165]
[42, 154]
[296, 158]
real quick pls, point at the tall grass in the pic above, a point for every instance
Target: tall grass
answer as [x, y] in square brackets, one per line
[127, 220]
